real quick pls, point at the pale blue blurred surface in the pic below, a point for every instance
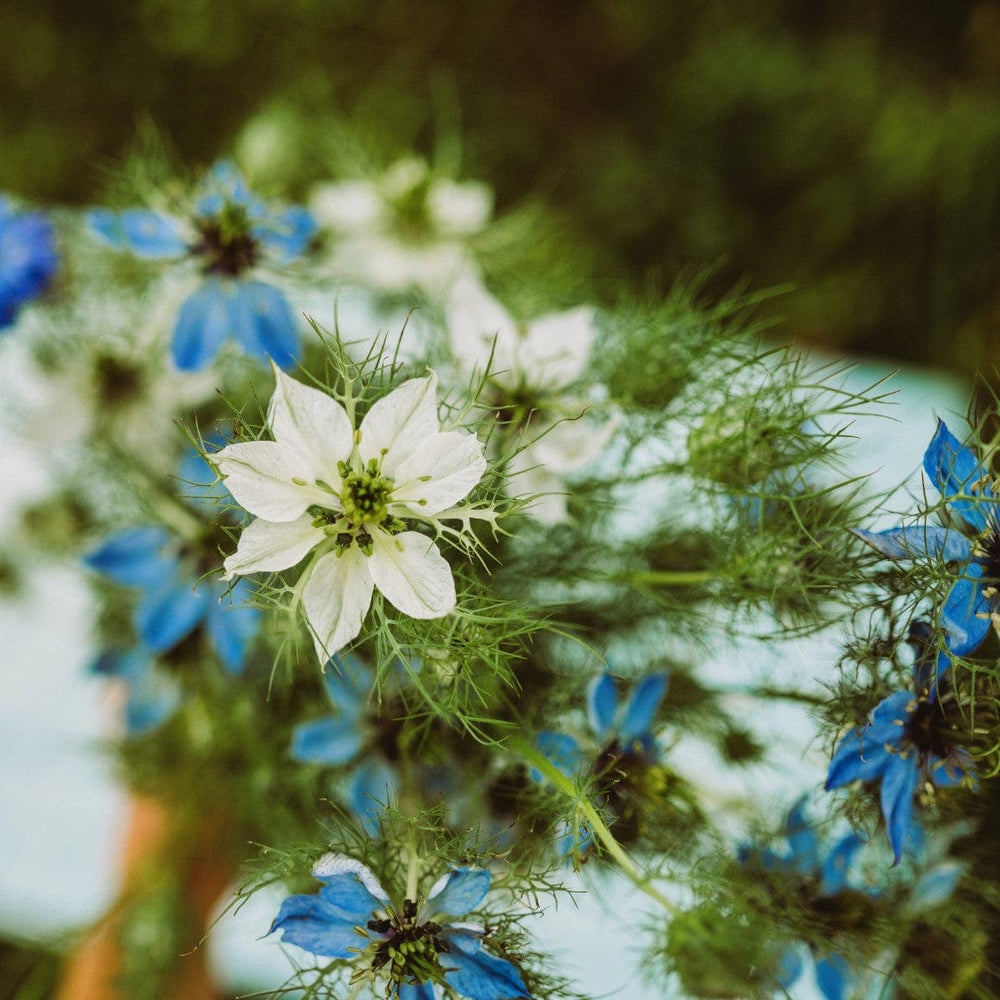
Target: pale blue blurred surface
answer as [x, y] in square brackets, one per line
[61, 814]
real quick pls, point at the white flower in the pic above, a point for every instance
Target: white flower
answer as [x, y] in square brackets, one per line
[405, 229]
[349, 497]
[533, 364]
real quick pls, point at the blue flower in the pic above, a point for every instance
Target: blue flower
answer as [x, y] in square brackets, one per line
[828, 876]
[352, 918]
[153, 696]
[230, 233]
[905, 743]
[28, 258]
[966, 488]
[355, 734]
[172, 602]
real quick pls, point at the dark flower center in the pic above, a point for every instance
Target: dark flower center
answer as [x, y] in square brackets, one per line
[227, 245]
[925, 730]
[989, 558]
[409, 952]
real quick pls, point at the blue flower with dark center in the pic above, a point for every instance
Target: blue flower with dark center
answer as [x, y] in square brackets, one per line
[967, 489]
[817, 878]
[153, 696]
[28, 259]
[356, 734]
[172, 602]
[907, 742]
[230, 235]
[410, 947]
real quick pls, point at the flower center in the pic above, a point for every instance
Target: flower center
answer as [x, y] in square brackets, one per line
[925, 730]
[409, 952]
[988, 551]
[227, 246]
[365, 495]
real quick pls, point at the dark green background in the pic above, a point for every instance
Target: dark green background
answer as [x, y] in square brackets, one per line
[850, 148]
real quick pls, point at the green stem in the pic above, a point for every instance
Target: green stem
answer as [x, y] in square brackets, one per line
[671, 578]
[595, 822]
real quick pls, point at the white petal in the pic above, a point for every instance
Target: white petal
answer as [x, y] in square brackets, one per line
[332, 864]
[571, 444]
[412, 574]
[527, 478]
[478, 325]
[399, 423]
[311, 424]
[459, 209]
[260, 475]
[455, 463]
[556, 349]
[336, 599]
[267, 546]
[351, 206]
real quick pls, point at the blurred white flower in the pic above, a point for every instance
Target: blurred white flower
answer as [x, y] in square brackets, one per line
[351, 499]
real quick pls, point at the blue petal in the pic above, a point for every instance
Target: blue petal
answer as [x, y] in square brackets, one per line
[332, 740]
[373, 786]
[124, 663]
[346, 893]
[856, 758]
[204, 322]
[165, 616]
[153, 697]
[134, 557]
[920, 541]
[789, 967]
[602, 704]
[313, 924]
[28, 260]
[348, 682]
[899, 782]
[225, 183]
[936, 886]
[965, 616]
[287, 232]
[952, 770]
[463, 890]
[956, 472]
[838, 863]
[264, 323]
[561, 750]
[833, 976]
[197, 480]
[802, 839]
[482, 976]
[416, 991]
[232, 625]
[890, 717]
[641, 708]
[146, 234]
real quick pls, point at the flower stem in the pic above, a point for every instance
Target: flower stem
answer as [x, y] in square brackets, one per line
[671, 578]
[596, 824]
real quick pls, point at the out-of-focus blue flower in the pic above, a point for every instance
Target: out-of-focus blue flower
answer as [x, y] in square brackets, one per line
[828, 876]
[353, 735]
[352, 918]
[153, 696]
[230, 234]
[966, 488]
[172, 602]
[28, 259]
[904, 743]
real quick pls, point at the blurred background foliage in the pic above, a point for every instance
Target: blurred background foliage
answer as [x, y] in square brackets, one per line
[849, 148]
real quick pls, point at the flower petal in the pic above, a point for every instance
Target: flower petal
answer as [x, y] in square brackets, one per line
[312, 923]
[482, 976]
[602, 704]
[165, 616]
[478, 326]
[232, 625]
[372, 787]
[332, 740]
[856, 758]
[833, 976]
[269, 546]
[936, 886]
[204, 322]
[412, 574]
[556, 348]
[641, 707]
[450, 464]
[146, 234]
[261, 475]
[458, 892]
[559, 749]
[899, 781]
[965, 615]
[398, 424]
[134, 557]
[332, 867]
[287, 232]
[923, 540]
[802, 839]
[956, 472]
[312, 424]
[336, 599]
[263, 322]
[837, 864]
[416, 991]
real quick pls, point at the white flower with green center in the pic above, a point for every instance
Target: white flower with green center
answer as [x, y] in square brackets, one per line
[352, 498]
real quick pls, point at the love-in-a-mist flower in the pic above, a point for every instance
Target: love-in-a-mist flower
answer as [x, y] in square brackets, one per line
[351, 498]
[816, 877]
[533, 368]
[906, 743]
[230, 236]
[28, 259]
[357, 735]
[966, 486]
[409, 947]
